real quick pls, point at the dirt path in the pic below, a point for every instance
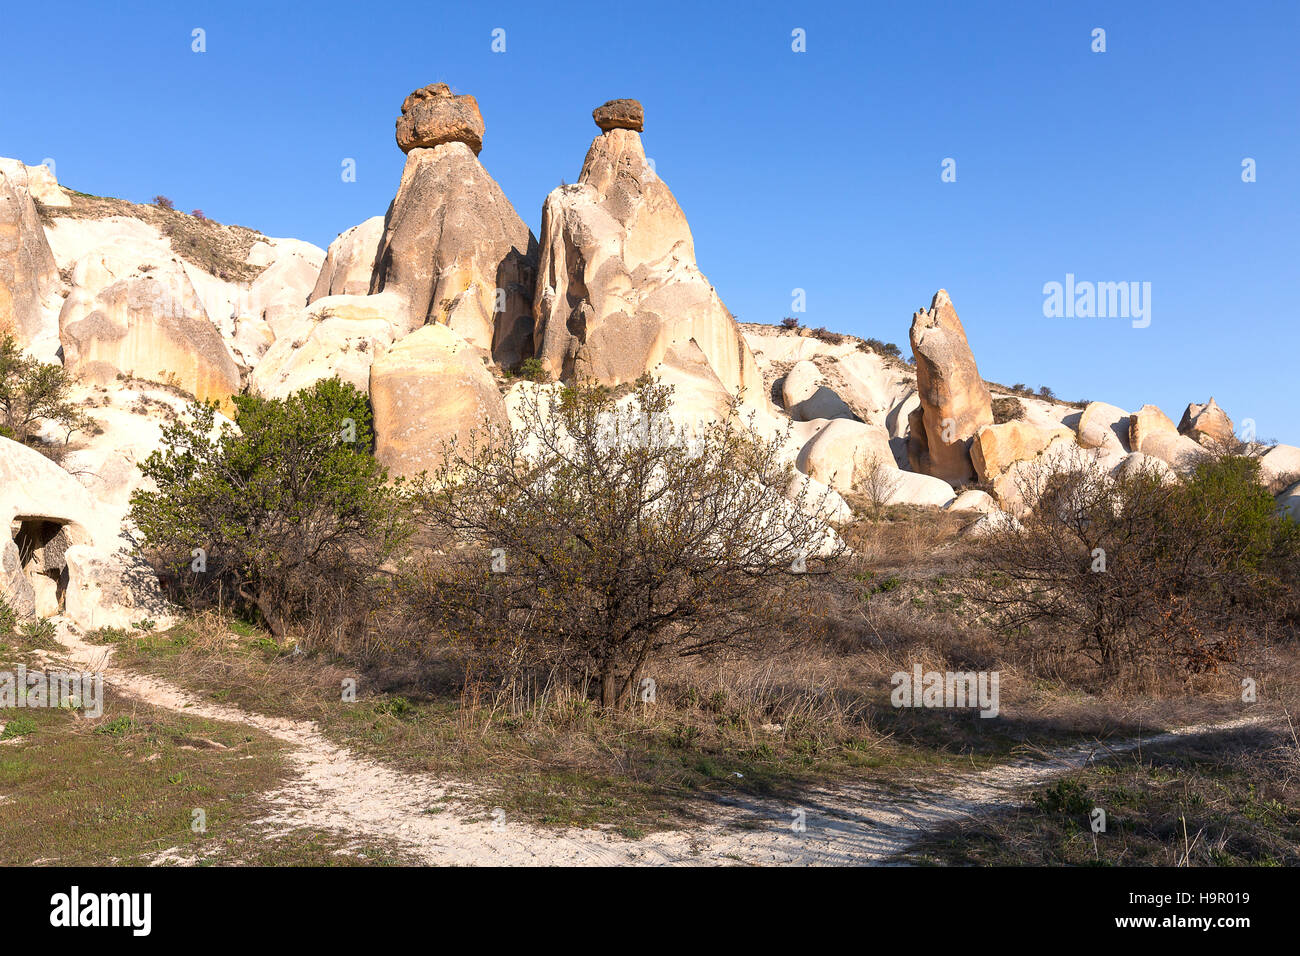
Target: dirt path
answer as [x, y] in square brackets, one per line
[335, 789]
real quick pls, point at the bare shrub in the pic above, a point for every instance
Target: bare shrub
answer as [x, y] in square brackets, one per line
[599, 539]
[1133, 571]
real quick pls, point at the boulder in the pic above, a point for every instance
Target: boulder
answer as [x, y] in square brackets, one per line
[619, 114]
[992, 522]
[806, 397]
[120, 319]
[910, 488]
[1146, 421]
[618, 285]
[996, 448]
[974, 500]
[350, 261]
[458, 253]
[1103, 426]
[845, 454]
[433, 115]
[429, 388]
[29, 277]
[1208, 425]
[954, 401]
[1152, 433]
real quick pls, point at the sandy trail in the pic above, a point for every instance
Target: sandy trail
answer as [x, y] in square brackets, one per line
[337, 790]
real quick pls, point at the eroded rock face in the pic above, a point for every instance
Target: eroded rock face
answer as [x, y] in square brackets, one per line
[954, 401]
[619, 114]
[618, 286]
[426, 389]
[458, 253]
[1208, 425]
[122, 320]
[350, 261]
[28, 274]
[337, 336]
[434, 115]
[996, 448]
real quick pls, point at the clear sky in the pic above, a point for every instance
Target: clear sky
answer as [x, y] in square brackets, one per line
[818, 170]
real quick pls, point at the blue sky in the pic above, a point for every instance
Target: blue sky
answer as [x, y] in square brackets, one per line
[817, 170]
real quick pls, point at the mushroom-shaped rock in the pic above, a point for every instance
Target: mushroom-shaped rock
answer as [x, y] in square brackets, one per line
[619, 114]
[434, 115]
[617, 283]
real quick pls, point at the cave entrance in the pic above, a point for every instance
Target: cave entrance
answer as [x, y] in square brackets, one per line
[41, 544]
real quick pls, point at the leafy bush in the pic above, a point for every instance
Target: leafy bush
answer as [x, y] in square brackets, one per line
[533, 370]
[32, 392]
[287, 516]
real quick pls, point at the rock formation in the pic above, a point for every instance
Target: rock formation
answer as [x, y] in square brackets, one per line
[428, 388]
[350, 261]
[619, 114]
[1207, 425]
[618, 286]
[954, 401]
[1151, 432]
[1104, 427]
[996, 448]
[28, 273]
[453, 246]
[434, 115]
[120, 319]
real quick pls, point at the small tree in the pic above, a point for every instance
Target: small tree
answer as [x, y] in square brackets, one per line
[281, 514]
[599, 538]
[789, 322]
[1136, 569]
[32, 392]
[162, 202]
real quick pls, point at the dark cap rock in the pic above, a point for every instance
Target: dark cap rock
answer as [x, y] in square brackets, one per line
[619, 114]
[435, 115]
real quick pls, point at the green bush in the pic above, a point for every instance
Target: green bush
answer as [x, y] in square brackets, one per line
[33, 392]
[8, 618]
[288, 517]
